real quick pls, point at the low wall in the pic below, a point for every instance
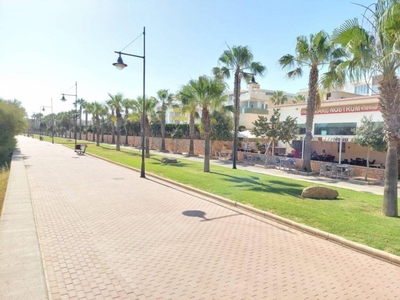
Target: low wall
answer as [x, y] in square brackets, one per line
[171, 145]
[357, 171]
[182, 146]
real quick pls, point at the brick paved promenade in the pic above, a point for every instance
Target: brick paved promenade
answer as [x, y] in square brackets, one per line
[106, 233]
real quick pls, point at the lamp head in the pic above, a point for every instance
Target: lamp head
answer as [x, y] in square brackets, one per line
[43, 109]
[63, 98]
[120, 63]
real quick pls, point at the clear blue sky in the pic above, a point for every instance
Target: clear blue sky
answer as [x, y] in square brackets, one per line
[47, 45]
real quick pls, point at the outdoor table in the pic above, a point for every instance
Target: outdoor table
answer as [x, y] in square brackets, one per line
[342, 168]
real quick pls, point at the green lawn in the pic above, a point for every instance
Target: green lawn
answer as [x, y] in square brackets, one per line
[355, 215]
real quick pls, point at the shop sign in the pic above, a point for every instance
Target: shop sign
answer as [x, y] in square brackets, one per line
[344, 109]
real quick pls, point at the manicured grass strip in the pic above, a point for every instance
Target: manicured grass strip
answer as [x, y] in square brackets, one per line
[355, 215]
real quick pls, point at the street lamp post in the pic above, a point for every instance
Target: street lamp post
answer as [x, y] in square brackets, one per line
[76, 101]
[52, 120]
[121, 65]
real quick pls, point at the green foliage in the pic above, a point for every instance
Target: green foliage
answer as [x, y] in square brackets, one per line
[370, 134]
[177, 134]
[222, 126]
[275, 129]
[12, 121]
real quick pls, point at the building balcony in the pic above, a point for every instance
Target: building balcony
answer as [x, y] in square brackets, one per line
[251, 110]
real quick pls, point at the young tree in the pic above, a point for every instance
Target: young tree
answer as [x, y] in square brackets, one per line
[374, 51]
[371, 136]
[222, 126]
[275, 130]
[312, 53]
[239, 61]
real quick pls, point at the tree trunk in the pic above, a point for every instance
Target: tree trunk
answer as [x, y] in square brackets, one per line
[390, 205]
[118, 144]
[191, 134]
[389, 104]
[147, 134]
[367, 169]
[236, 100]
[311, 105]
[206, 167]
[97, 132]
[163, 132]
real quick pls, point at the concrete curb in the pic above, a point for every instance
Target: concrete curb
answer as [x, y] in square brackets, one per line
[388, 257]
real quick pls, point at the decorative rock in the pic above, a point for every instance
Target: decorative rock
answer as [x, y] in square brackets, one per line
[319, 192]
[169, 160]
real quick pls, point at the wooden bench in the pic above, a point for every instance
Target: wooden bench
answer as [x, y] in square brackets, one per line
[80, 149]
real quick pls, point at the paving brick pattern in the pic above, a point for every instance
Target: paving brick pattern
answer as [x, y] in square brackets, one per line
[106, 233]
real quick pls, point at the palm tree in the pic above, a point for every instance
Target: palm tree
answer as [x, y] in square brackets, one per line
[209, 94]
[375, 53]
[279, 98]
[313, 53]
[86, 110]
[97, 110]
[81, 102]
[115, 103]
[165, 98]
[239, 61]
[150, 105]
[190, 106]
[127, 104]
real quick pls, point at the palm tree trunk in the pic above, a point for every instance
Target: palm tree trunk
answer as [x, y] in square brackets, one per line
[206, 167]
[163, 132]
[97, 132]
[389, 104]
[311, 104]
[390, 208]
[367, 169]
[236, 117]
[191, 134]
[147, 139]
[205, 120]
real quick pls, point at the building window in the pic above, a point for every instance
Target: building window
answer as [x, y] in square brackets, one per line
[301, 128]
[361, 89]
[335, 128]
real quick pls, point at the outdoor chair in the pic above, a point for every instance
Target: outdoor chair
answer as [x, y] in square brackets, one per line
[334, 171]
[346, 173]
[322, 170]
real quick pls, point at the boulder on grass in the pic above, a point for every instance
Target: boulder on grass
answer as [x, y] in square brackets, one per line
[319, 192]
[169, 160]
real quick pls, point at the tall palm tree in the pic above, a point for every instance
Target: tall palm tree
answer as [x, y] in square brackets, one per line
[209, 94]
[312, 53]
[127, 104]
[86, 110]
[239, 61]
[97, 110]
[80, 103]
[150, 105]
[376, 53]
[165, 99]
[115, 103]
[189, 106]
[279, 98]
